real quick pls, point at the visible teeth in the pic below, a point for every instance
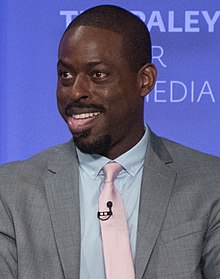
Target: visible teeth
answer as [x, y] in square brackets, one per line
[85, 115]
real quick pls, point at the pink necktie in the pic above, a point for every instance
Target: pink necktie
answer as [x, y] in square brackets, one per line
[115, 239]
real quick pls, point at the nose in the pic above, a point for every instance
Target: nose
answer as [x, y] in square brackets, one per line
[80, 88]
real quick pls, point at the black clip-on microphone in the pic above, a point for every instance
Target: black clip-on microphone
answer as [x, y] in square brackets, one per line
[105, 215]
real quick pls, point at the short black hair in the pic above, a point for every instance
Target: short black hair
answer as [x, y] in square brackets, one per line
[136, 37]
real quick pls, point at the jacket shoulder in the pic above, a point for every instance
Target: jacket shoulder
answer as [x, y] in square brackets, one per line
[33, 168]
[185, 157]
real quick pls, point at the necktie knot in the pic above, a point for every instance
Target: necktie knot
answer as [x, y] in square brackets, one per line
[111, 170]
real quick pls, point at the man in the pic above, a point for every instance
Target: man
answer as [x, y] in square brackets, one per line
[48, 207]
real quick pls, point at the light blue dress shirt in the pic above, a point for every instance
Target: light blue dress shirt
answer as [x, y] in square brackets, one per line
[128, 183]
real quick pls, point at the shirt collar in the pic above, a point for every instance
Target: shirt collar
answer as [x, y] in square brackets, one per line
[92, 164]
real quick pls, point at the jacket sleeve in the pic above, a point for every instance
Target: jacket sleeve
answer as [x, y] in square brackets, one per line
[8, 251]
[211, 250]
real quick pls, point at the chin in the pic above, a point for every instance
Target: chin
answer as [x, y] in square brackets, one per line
[99, 146]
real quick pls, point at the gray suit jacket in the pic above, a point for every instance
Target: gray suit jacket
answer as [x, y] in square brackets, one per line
[179, 218]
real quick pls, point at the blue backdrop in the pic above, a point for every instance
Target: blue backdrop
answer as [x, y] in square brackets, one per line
[184, 106]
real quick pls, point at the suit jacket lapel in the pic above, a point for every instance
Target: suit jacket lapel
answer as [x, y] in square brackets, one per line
[157, 184]
[63, 201]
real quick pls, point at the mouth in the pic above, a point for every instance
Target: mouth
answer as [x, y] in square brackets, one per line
[85, 115]
[81, 117]
[81, 122]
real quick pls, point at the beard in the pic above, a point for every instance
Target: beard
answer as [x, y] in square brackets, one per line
[100, 146]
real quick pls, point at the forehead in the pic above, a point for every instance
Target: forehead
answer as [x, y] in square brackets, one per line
[87, 42]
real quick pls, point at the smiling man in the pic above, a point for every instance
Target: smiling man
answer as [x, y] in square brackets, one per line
[161, 217]
[100, 93]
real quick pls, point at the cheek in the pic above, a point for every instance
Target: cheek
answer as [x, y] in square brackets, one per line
[122, 101]
[61, 101]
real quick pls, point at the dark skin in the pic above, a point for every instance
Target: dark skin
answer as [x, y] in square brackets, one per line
[97, 85]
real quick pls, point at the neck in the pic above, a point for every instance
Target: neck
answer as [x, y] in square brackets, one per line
[121, 147]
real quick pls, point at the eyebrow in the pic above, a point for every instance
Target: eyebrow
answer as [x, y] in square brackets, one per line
[62, 63]
[89, 65]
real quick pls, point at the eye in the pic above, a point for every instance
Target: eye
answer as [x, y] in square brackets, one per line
[66, 75]
[99, 75]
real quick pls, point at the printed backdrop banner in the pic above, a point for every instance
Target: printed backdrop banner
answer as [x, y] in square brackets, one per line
[184, 105]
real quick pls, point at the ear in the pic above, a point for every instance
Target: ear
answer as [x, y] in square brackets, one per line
[147, 77]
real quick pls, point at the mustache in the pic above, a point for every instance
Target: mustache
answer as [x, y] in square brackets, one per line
[69, 109]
